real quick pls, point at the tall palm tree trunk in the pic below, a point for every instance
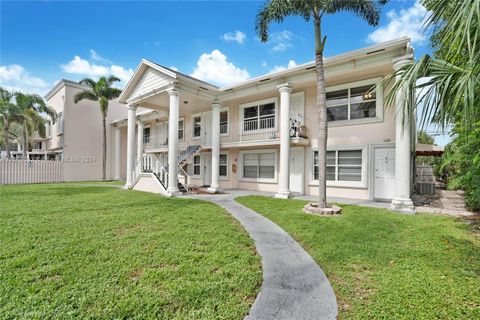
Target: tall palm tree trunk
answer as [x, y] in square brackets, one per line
[25, 140]
[104, 146]
[6, 138]
[322, 129]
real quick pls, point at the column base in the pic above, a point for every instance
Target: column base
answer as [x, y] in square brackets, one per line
[403, 206]
[283, 195]
[126, 186]
[173, 193]
[214, 189]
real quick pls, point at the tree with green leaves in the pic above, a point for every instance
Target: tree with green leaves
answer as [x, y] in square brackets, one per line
[8, 111]
[101, 91]
[30, 108]
[315, 10]
[451, 93]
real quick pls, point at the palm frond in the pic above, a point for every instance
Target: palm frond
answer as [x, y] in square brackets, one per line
[88, 82]
[368, 10]
[85, 95]
[447, 90]
[277, 11]
[111, 80]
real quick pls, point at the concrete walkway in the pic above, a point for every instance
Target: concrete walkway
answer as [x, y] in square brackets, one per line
[294, 286]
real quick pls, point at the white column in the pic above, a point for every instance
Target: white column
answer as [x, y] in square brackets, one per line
[173, 142]
[117, 153]
[140, 127]
[132, 114]
[215, 186]
[283, 178]
[403, 152]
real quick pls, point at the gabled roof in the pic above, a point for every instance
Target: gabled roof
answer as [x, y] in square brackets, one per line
[172, 75]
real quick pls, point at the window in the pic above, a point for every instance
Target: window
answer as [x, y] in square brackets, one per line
[60, 124]
[223, 122]
[146, 135]
[223, 163]
[259, 165]
[37, 145]
[342, 165]
[352, 103]
[196, 165]
[259, 117]
[197, 126]
[180, 130]
[48, 129]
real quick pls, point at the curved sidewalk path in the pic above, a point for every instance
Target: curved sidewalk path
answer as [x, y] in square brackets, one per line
[294, 286]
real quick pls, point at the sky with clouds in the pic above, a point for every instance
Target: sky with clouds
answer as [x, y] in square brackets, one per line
[44, 41]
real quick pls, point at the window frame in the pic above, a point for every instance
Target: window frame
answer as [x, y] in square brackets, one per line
[181, 129]
[149, 134]
[259, 180]
[378, 103]
[197, 115]
[225, 177]
[256, 103]
[225, 109]
[363, 183]
[200, 162]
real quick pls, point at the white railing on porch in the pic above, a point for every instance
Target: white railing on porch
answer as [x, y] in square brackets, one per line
[30, 171]
[151, 164]
[251, 130]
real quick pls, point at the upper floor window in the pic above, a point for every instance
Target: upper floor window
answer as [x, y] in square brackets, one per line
[37, 145]
[352, 103]
[60, 123]
[259, 117]
[197, 126]
[180, 129]
[224, 122]
[146, 135]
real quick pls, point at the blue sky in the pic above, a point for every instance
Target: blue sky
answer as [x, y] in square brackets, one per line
[42, 42]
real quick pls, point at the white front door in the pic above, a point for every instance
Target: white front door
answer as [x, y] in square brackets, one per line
[207, 128]
[296, 170]
[207, 169]
[384, 173]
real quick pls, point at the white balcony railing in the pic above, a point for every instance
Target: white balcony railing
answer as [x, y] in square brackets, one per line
[251, 130]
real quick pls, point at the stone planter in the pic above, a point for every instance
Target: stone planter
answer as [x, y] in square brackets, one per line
[313, 208]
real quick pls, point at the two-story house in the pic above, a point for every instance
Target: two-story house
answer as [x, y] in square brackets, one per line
[262, 134]
[76, 137]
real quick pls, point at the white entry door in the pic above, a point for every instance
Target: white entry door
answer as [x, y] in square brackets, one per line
[296, 170]
[207, 169]
[207, 128]
[384, 173]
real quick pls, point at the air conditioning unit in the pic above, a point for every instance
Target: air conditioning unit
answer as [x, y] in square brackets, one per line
[426, 188]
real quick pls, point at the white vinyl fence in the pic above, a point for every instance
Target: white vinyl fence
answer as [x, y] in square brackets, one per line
[30, 171]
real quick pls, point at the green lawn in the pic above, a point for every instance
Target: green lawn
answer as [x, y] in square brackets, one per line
[70, 251]
[385, 265]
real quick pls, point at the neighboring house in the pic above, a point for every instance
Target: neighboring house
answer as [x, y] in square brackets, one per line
[262, 134]
[76, 136]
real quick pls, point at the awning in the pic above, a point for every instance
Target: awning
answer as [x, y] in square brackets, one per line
[422, 149]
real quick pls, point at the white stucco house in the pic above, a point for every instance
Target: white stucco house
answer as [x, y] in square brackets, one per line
[76, 138]
[261, 134]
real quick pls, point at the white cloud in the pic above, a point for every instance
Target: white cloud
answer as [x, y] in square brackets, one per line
[236, 36]
[282, 40]
[407, 22]
[95, 56]
[214, 67]
[264, 63]
[174, 68]
[15, 77]
[291, 64]
[85, 68]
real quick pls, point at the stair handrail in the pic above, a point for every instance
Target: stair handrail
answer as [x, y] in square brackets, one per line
[187, 178]
[152, 165]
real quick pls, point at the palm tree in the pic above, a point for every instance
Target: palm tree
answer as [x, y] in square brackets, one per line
[8, 111]
[277, 11]
[451, 92]
[101, 91]
[29, 110]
